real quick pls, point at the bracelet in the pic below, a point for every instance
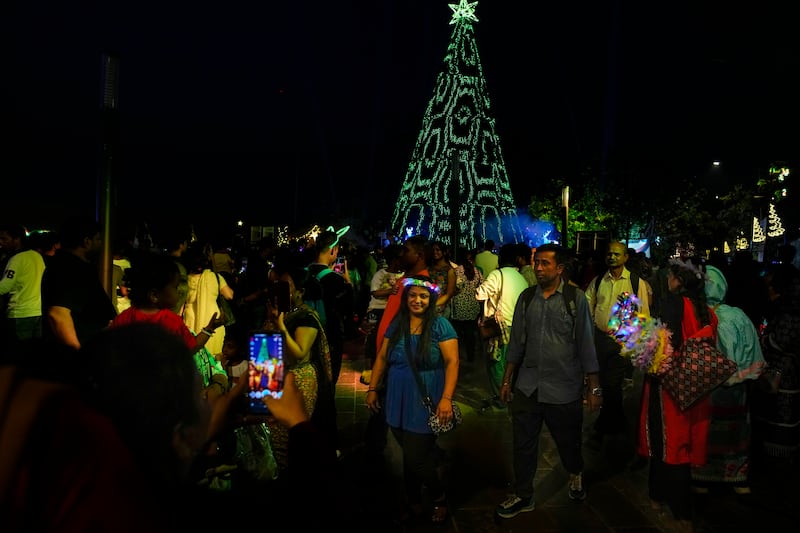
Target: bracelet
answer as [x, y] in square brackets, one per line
[447, 398]
[218, 384]
[209, 333]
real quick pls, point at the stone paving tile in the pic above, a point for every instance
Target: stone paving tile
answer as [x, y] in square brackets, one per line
[477, 469]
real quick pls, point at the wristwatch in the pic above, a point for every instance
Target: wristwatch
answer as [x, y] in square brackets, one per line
[597, 391]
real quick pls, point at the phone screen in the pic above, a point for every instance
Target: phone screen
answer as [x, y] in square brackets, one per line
[338, 265]
[265, 370]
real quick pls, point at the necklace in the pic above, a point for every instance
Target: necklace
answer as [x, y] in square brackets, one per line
[416, 329]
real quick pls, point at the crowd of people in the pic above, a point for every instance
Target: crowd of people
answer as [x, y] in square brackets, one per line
[163, 379]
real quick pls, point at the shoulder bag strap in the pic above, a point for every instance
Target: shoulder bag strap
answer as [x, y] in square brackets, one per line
[426, 400]
[499, 294]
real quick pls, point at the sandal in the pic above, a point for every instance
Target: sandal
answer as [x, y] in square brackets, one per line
[440, 513]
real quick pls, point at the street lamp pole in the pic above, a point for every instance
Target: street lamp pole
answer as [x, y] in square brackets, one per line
[564, 215]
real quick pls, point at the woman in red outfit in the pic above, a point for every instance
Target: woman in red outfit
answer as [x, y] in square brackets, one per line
[153, 284]
[674, 440]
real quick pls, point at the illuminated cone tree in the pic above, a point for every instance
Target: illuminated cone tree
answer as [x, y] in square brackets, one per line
[456, 188]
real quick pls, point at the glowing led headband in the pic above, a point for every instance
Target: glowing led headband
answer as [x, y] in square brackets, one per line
[339, 234]
[421, 283]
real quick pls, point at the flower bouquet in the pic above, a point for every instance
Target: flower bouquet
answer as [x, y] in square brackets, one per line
[644, 340]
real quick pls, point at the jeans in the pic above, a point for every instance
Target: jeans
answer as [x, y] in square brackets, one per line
[564, 421]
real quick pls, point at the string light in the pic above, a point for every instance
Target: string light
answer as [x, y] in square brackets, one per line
[457, 174]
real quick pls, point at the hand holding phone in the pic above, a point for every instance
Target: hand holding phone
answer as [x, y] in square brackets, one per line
[340, 265]
[265, 371]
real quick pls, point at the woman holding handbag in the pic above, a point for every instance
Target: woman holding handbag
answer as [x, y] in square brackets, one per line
[417, 338]
[676, 439]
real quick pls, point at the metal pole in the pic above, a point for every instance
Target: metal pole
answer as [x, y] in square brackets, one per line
[105, 182]
[564, 215]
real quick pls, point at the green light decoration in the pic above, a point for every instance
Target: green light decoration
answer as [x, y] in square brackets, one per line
[456, 188]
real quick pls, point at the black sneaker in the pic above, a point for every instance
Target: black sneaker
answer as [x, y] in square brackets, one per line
[576, 490]
[513, 506]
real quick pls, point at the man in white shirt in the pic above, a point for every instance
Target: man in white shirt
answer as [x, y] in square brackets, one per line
[22, 282]
[500, 292]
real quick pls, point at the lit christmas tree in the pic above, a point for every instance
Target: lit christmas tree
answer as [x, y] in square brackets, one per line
[775, 228]
[758, 233]
[456, 188]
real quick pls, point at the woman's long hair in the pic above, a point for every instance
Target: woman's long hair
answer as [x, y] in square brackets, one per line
[466, 258]
[422, 356]
[693, 287]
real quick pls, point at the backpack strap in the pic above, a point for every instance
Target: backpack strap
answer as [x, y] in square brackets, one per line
[570, 295]
[570, 298]
[634, 282]
[322, 273]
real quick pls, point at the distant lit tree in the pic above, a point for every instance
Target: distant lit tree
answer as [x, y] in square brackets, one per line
[774, 225]
[735, 217]
[456, 186]
[758, 231]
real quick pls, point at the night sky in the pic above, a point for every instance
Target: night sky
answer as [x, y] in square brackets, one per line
[299, 112]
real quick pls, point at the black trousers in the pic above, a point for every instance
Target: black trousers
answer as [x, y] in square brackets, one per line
[419, 465]
[611, 419]
[564, 421]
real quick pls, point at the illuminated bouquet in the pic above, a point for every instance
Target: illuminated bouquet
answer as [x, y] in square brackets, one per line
[644, 340]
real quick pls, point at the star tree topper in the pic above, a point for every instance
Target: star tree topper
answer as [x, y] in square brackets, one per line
[464, 10]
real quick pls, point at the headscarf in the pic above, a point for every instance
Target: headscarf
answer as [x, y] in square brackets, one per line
[736, 335]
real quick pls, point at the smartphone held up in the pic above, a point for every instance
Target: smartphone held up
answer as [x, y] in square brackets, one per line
[265, 371]
[340, 264]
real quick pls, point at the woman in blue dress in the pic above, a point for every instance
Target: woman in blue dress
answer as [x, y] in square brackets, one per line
[417, 335]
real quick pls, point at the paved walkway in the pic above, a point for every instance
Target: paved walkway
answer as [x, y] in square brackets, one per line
[477, 467]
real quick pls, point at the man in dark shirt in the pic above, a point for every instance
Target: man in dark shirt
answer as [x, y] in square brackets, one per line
[337, 294]
[75, 305]
[550, 353]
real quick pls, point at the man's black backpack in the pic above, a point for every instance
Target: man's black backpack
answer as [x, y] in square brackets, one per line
[569, 293]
